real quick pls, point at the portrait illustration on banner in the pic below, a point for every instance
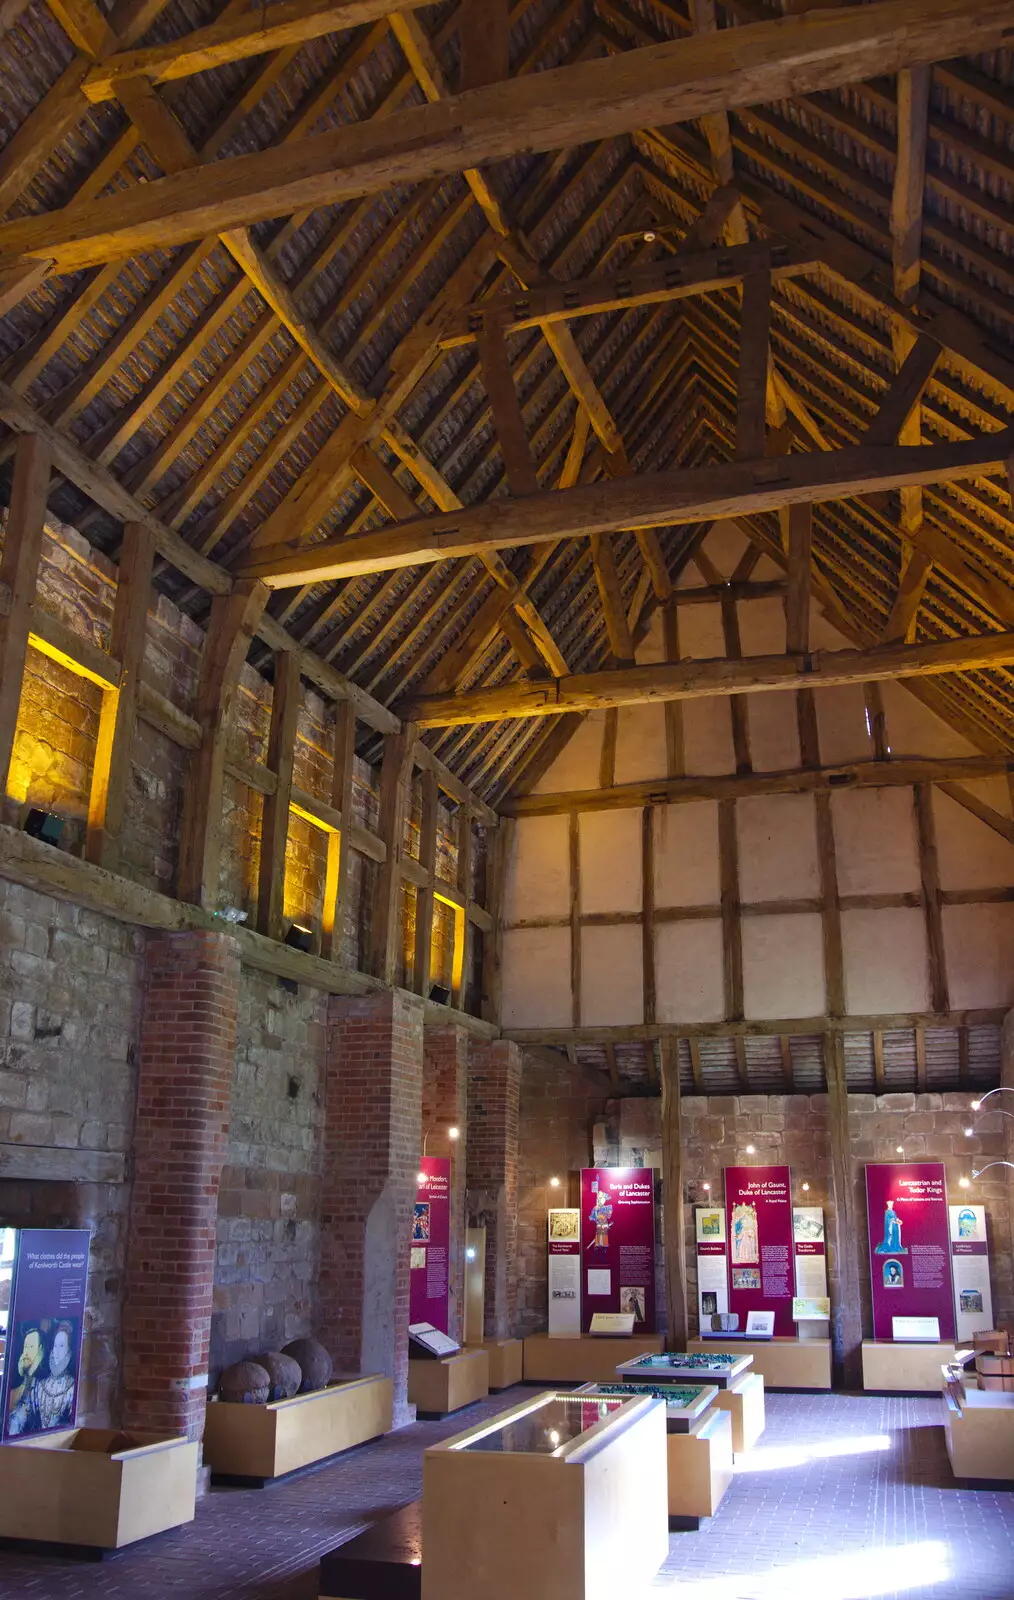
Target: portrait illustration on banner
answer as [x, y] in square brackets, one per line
[745, 1248]
[890, 1244]
[894, 1275]
[632, 1301]
[42, 1397]
[601, 1214]
[421, 1222]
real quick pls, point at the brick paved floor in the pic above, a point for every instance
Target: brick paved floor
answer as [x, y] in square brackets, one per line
[845, 1498]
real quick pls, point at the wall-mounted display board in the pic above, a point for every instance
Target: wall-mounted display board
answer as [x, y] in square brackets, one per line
[810, 1250]
[429, 1275]
[910, 1247]
[45, 1328]
[758, 1209]
[973, 1299]
[712, 1264]
[618, 1244]
[564, 1270]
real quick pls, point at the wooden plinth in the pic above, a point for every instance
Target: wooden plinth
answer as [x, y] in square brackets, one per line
[904, 1368]
[384, 1563]
[979, 1427]
[579, 1358]
[588, 1524]
[437, 1387]
[699, 1468]
[65, 1489]
[506, 1362]
[264, 1442]
[782, 1363]
[744, 1401]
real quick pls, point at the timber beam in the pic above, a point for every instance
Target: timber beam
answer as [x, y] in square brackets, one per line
[680, 81]
[697, 680]
[740, 488]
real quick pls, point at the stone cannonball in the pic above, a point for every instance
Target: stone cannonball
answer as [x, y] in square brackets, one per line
[285, 1374]
[314, 1362]
[247, 1384]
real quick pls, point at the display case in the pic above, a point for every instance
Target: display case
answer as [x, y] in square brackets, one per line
[560, 1498]
[259, 1442]
[782, 1362]
[740, 1390]
[699, 1445]
[979, 1428]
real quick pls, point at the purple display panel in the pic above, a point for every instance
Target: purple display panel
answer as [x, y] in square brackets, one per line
[758, 1212]
[618, 1244]
[910, 1247]
[45, 1328]
[429, 1277]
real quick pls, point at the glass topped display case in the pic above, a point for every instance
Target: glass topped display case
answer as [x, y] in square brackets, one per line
[684, 1403]
[717, 1367]
[554, 1423]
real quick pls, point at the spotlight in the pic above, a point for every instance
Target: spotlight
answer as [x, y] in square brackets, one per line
[454, 1133]
[299, 937]
[969, 1132]
[441, 994]
[650, 237]
[554, 1183]
[962, 1183]
[806, 1188]
[751, 1149]
[899, 1149]
[421, 1177]
[44, 825]
[706, 1187]
[470, 1253]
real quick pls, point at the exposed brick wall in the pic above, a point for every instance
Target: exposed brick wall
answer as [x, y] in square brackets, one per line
[494, 1093]
[185, 1073]
[70, 1000]
[372, 1145]
[559, 1107]
[268, 1208]
[444, 1106]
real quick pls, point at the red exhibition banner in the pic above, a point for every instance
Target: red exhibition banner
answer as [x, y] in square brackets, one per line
[910, 1246]
[758, 1207]
[618, 1244]
[429, 1275]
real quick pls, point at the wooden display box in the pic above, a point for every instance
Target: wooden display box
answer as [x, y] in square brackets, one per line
[744, 1401]
[437, 1387]
[979, 1427]
[699, 1451]
[267, 1441]
[64, 1488]
[506, 1362]
[578, 1358]
[895, 1368]
[586, 1522]
[782, 1363]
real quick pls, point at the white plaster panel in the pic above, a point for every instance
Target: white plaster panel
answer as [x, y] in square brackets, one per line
[686, 855]
[577, 765]
[707, 736]
[777, 847]
[762, 627]
[766, 570]
[689, 985]
[993, 792]
[612, 977]
[700, 631]
[885, 962]
[783, 966]
[774, 731]
[610, 858]
[726, 546]
[970, 854]
[979, 952]
[538, 874]
[841, 724]
[876, 849]
[640, 743]
[823, 634]
[536, 978]
[914, 730]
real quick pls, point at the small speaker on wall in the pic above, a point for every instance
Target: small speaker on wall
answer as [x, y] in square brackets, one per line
[440, 994]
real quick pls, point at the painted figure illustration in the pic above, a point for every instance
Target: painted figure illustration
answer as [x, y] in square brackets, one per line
[890, 1244]
[601, 1214]
[744, 1234]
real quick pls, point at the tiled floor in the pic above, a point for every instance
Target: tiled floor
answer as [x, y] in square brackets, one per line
[845, 1498]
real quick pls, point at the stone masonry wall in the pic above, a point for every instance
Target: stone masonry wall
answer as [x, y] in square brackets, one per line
[70, 1004]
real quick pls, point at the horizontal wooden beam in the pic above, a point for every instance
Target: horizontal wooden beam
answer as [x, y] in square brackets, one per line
[741, 786]
[697, 680]
[597, 99]
[660, 499]
[235, 38]
[794, 1027]
[31, 1163]
[675, 279]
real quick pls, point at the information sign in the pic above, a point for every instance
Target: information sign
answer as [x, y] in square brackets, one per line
[973, 1299]
[758, 1207]
[618, 1244]
[429, 1274]
[910, 1259]
[45, 1327]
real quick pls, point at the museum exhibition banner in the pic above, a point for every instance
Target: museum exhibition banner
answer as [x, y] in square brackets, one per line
[758, 1210]
[564, 1270]
[429, 1275]
[973, 1299]
[45, 1327]
[810, 1251]
[910, 1248]
[712, 1264]
[618, 1244]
